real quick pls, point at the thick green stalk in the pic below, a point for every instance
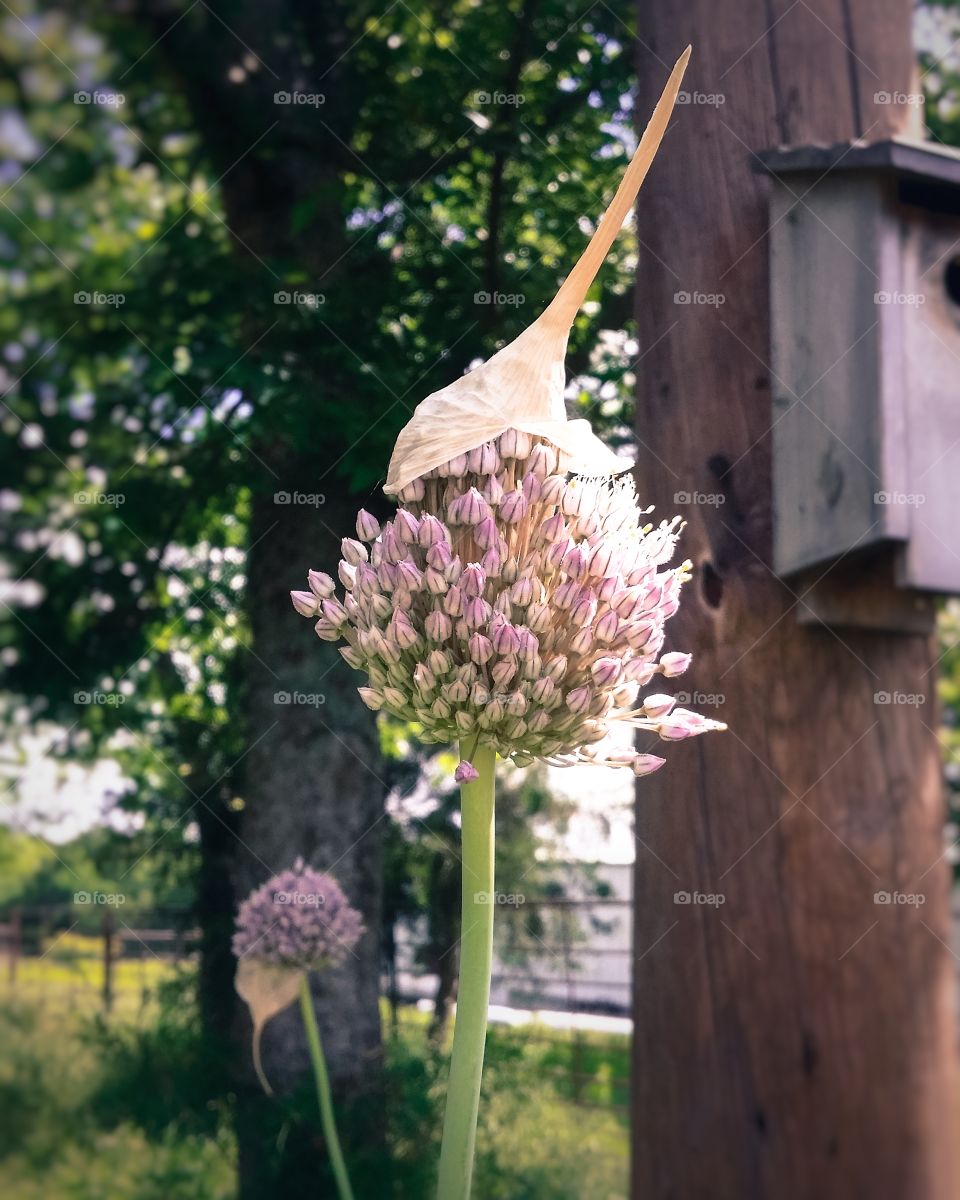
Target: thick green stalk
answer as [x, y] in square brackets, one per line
[323, 1091]
[473, 995]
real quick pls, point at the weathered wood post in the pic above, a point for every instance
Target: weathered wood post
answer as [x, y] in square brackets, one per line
[794, 1033]
[106, 931]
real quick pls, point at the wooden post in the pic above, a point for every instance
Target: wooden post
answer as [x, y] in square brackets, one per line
[794, 1037]
[108, 953]
[14, 944]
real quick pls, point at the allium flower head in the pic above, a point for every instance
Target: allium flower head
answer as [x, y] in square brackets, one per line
[511, 604]
[508, 603]
[299, 919]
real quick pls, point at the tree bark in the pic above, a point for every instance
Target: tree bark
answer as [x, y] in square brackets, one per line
[313, 788]
[797, 1040]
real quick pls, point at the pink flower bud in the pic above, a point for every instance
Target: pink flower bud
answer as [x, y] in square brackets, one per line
[348, 575]
[542, 690]
[456, 692]
[582, 641]
[516, 704]
[675, 663]
[368, 527]
[334, 611]
[646, 764]
[481, 649]
[607, 628]
[476, 612]
[542, 461]
[439, 555]
[578, 701]
[506, 639]
[491, 562]
[354, 552]
[553, 529]
[440, 663]
[552, 489]
[431, 531]
[492, 490]
[606, 671]
[395, 698]
[485, 533]
[479, 695]
[455, 468]
[424, 678]
[453, 602]
[532, 488]
[522, 592]
[440, 709]
[438, 627]
[305, 603]
[484, 460]
[473, 580]
[371, 698]
[412, 492]
[513, 507]
[574, 563]
[557, 668]
[327, 631]
[321, 584]
[408, 575]
[502, 672]
[538, 618]
[658, 706]
[466, 772]
[435, 581]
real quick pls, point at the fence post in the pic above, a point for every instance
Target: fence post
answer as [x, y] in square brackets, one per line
[14, 943]
[107, 929]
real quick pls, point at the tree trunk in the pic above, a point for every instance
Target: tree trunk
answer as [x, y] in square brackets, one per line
[313, 788]
[795, 1041]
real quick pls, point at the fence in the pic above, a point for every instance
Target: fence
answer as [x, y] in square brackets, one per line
[561, 975]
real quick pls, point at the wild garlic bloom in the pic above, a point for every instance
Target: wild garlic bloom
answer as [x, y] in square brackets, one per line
[299, 919]
[510, 604]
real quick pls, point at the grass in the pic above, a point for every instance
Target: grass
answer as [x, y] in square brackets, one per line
[115, 1110]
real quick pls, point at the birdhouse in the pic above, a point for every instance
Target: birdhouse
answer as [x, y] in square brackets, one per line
[865, 333]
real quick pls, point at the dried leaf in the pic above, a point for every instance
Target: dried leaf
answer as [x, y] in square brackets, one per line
[267, 989]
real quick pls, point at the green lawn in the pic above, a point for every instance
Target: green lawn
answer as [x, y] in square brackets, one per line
[81, 1117]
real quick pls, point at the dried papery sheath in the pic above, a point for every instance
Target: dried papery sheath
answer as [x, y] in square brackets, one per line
[519, 392]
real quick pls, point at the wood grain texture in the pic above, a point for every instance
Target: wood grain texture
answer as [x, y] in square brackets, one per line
[796, 1041]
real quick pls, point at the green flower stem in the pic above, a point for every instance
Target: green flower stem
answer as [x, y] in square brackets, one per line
[473, 996]
[323, 1090]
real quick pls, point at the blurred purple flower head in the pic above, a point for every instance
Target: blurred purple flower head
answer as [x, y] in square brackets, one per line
[299, 918]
